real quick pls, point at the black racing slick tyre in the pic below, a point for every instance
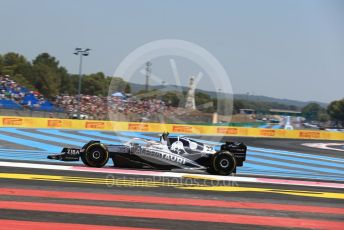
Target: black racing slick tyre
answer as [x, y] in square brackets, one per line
[95, 155]
[223, 163]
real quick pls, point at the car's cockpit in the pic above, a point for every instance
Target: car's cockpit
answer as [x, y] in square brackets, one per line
[183, 144]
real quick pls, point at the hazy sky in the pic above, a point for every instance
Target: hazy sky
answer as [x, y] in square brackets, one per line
[288, 49]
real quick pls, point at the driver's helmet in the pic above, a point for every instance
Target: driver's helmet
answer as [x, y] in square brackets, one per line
[164, 138]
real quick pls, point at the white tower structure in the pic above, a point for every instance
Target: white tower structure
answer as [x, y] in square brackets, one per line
[288, 124]
[190, 99]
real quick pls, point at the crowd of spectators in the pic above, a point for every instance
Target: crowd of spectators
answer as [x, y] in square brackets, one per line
[143, 107]
[13, 95]
[9, 89]
[99, 108]
[91, 107]
[130, 108]
[123, 107]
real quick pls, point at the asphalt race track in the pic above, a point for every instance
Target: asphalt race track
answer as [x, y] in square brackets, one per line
[283, 184]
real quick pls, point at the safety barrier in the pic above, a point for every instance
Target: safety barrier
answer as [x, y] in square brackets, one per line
[31, 122]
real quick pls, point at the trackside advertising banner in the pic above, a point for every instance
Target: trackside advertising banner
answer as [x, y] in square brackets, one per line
[53, 123]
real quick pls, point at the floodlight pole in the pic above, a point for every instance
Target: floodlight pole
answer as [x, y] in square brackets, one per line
[80, 52]
[148, 73]
[79, 87]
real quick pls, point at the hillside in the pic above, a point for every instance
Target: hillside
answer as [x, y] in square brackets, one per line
[255, 98]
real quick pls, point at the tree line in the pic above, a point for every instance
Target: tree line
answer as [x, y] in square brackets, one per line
[45, 75]
[334, 112]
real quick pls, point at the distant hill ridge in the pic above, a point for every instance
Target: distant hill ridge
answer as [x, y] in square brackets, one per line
[137, 87]
[277, 100]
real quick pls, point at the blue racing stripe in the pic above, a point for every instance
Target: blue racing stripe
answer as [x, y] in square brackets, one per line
[298, 159]
[99, 134]
[304, 166]
[21, 150]
[304, 155]
[78, 137]
[139, 135]
[271, 171]
[42, 158]
[266, 168]
[44, 137]
[29, 143]
[24, 156]
[268, 172]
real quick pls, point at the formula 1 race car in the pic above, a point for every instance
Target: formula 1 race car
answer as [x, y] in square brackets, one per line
[170, 153]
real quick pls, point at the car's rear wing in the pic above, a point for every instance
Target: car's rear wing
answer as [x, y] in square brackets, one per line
[238, 149]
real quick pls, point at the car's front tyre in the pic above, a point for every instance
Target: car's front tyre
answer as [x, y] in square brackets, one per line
[95, 155]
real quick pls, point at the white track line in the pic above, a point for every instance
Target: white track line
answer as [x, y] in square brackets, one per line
[324, 146]
[172, 174]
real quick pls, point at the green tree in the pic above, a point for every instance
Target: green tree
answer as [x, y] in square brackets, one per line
[74, 79]
[18, 68]
[66, 85]
[204, 102]
[237, 105]
[46, 75]
[223, 106]
[323, 117]
[336, 111]
[312, 111]
[202, 98]
[94, 84]
[1, 63]
[127, 88]
[117, 84]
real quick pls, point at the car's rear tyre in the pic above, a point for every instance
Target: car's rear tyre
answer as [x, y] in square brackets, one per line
[223, 163]
[95, 155]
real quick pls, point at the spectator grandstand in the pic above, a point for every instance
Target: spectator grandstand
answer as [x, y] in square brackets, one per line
[15, 96]
[95, 107]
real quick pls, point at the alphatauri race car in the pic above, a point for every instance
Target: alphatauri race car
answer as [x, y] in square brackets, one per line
[172, 152]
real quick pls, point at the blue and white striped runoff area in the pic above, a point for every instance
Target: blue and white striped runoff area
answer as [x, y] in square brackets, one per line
[36, 144]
